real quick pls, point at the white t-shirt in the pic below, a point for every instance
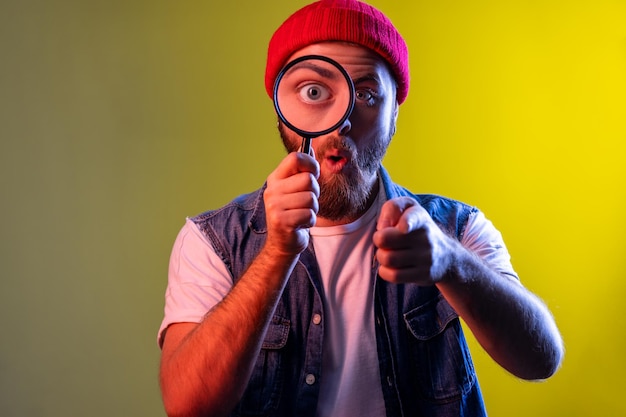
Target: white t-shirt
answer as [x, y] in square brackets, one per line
[350, 383]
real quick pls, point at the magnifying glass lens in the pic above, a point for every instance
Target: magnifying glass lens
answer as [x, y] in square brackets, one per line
[313, 96]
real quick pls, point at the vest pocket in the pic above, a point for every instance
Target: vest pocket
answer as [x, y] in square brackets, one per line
[262, 394]
[440, 355]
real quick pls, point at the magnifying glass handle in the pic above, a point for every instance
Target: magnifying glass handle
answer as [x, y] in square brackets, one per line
[306, 145]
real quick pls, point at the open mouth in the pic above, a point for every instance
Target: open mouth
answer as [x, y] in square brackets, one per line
[335, 160]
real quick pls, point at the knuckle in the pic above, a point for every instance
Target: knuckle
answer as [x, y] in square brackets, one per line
[312, 201]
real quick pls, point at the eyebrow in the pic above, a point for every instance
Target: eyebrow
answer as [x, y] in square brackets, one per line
[324, 72]
[368, 77]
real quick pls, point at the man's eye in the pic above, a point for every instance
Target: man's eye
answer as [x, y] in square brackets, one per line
[314, 93]
[365, 95]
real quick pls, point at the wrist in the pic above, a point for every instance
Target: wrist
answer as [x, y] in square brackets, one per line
[273, 256]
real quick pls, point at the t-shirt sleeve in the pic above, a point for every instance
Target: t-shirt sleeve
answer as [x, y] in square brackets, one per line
[486, 241]
[197, 279]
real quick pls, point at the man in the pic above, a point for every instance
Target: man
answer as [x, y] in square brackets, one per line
[332, 291]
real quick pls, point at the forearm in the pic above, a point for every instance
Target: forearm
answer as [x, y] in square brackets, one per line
[206, 372]
[509, 322]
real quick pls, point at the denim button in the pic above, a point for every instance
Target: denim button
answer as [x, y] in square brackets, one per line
[317, 319]
[310, 379]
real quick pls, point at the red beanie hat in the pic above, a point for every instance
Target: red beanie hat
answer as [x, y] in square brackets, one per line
[339, 20]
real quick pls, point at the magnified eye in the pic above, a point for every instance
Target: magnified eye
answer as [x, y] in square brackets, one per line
[314, 93]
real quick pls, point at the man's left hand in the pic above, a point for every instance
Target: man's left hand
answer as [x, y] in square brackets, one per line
[411, 248]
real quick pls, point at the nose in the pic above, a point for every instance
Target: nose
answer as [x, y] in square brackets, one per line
[345, 127]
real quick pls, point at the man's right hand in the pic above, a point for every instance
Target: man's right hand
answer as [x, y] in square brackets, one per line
[291, 203]
[206, 366]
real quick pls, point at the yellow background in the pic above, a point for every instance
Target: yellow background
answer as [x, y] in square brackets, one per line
[120, 118]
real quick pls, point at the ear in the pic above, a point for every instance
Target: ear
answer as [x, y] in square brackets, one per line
[394, 117]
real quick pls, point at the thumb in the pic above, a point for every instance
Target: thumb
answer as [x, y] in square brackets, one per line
[391, 212]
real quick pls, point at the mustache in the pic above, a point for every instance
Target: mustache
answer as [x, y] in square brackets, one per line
[331, 142]
[339, 143]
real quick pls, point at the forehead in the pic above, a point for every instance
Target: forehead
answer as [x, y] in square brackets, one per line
[357, 60]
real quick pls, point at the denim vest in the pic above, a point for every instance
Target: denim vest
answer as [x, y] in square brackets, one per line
[425, 363]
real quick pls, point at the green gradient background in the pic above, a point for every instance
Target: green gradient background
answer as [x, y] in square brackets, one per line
[119, 118]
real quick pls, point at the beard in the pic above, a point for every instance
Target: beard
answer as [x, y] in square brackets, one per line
[345, 195]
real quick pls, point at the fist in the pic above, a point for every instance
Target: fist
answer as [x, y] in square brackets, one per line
[410, 247]
[291, 203]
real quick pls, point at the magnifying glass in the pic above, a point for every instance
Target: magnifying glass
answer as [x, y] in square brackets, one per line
[313, 95]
